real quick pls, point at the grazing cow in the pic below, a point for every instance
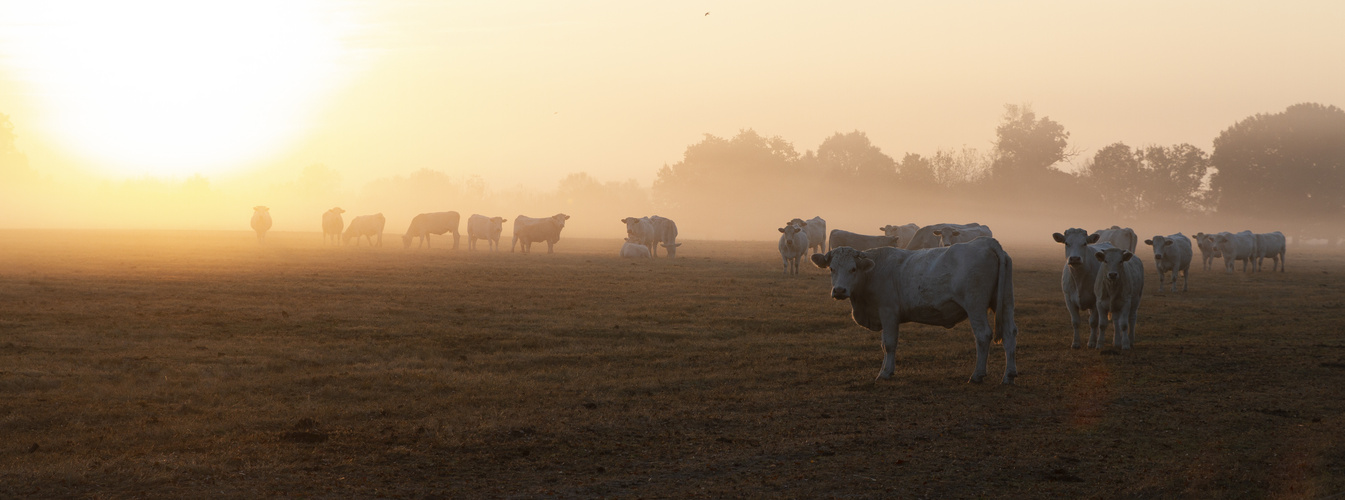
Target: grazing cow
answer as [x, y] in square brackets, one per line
[905, 233]
[1123, 238]
[665, 235]
[1172, 253]
[528, 230]
[1118, 286]
[424, 225]
[261, 221]
[937, 286]
[816, 229]
[793, 245]
[480, 227]
[842, 238]
[927, 238]
[367, 226]
[1077, 280]
[950, 236]
[332, 225]
[632, 249]
[640, 229]
[1270, 245]
[1208, 250]
[1235, 247]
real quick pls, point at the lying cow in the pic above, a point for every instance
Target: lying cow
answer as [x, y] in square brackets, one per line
[1123, 238]
[816, 230]
[424, 225]
[1208, 250]
[793, 244]
[1077, 280]
[632, 249]
[1118, 287]
[480, 227]
[1270, 245]
[332, 225]
[841, 238]
[366, 226]
[1236, 247]
[528, 230]
[261, 221]
[903, 233]
[665, 235]
[938, 286]
[1172, 253]
[950, 236]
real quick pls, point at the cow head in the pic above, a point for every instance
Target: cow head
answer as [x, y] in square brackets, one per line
[560, 220]
[798, 222]
[790, 230]
[672, 249]
[1160, 245]
[336, 211]
[1113, 262]
[948, 237]
[1206, 244]
[849, 269]
[261, 209]
[890, 230]
[1076, 243]
[406, 240]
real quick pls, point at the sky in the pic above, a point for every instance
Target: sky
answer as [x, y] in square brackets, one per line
[523, 93]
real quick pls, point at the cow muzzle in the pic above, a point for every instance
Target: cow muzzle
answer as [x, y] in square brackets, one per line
[1158, 257]
[1074, 261]
[1111, 276]
[839, 293]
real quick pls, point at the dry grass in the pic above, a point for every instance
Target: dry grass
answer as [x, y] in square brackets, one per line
[179, 364]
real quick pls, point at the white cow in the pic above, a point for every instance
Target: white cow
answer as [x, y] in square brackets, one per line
[424, 225]
[926, 237]
[1077, 280]
[842, 238]
[480, 227]
[528, 230]
[640, 229]
[261, 221]
[332, 225]
[1270, 245]
[665, 235]
[950, 236]
[1208, 250]
[367, 226]
[1123, 238]
[1236, 247]
[816, 230]
[632, 249]
[904, 233]
[1118, 286]
[1172, 253]
[938, 286]
[793, 245]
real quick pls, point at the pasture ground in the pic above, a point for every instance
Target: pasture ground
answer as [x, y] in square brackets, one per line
[193, 364]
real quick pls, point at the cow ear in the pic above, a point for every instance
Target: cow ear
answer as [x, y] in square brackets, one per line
[1059, 238]
[623, 221]
[781, 229]
[1101, 257]
[802, 223]
[1126, 256]
[938, 232]
[819, 260]
[863, 262]
[1092, 238]
[674, 246]
[1149, 242]
[502, 221]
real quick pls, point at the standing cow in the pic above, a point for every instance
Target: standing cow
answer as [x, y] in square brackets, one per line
[842, 238]
[1123, 238]
[480, 227]
[793, 245]
[366, 226]
[1236, 247]
[1172, 253]
[261, 221]
[665, 235]
[1208, 250]
[1118, 287]
[950, 236]
[1270, 245]
[816, 230]
[332, 225]
[528, 230]
[640, 229]
[424, 225]
[1077, 280]
[938, 286]
[904, 233]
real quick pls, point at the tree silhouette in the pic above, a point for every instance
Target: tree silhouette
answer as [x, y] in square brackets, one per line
[853, 154]
[1026, 146]
[717, 169]
[1155, 179]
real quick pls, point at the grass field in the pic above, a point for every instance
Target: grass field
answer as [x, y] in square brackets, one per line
[194, 364]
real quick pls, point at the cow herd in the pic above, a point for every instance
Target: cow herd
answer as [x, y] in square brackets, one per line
[527, 230]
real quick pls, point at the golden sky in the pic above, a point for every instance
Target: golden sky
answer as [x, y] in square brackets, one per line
[525, 92]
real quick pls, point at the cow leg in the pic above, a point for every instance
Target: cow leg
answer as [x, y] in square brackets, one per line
[550, 247]
[1074, 320]
[889, 319]
[1099, 333]
[1131, 322]
[980, 328]
[1186, 278]
[1117, 335]
[784, 261]
[455, 240]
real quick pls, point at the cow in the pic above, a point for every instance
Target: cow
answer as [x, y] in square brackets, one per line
[1077, 280]
[424, 225]
[665, 235]
[816, 230]
[903, 233]
[1172, 253]
[939, 286]
[480, 227]
[1236, 247]
[261, 221]
[367, 226]
[1208, 250]
[950, 236]
[1270, 245]
[1123, 238]
[632, 249]
[640, 229]
[841, 238]
[793, 245]
[528, 230]
[1118, 287]
[332, 225]
[926, 237]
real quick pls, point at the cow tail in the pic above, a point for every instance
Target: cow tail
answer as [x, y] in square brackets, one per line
[1004, 295]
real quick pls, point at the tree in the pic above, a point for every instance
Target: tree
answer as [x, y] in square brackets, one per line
[1117, 176]
[717, 169]
[1155, 179]
[916, 171]
[1026, 146]
[853, 154]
